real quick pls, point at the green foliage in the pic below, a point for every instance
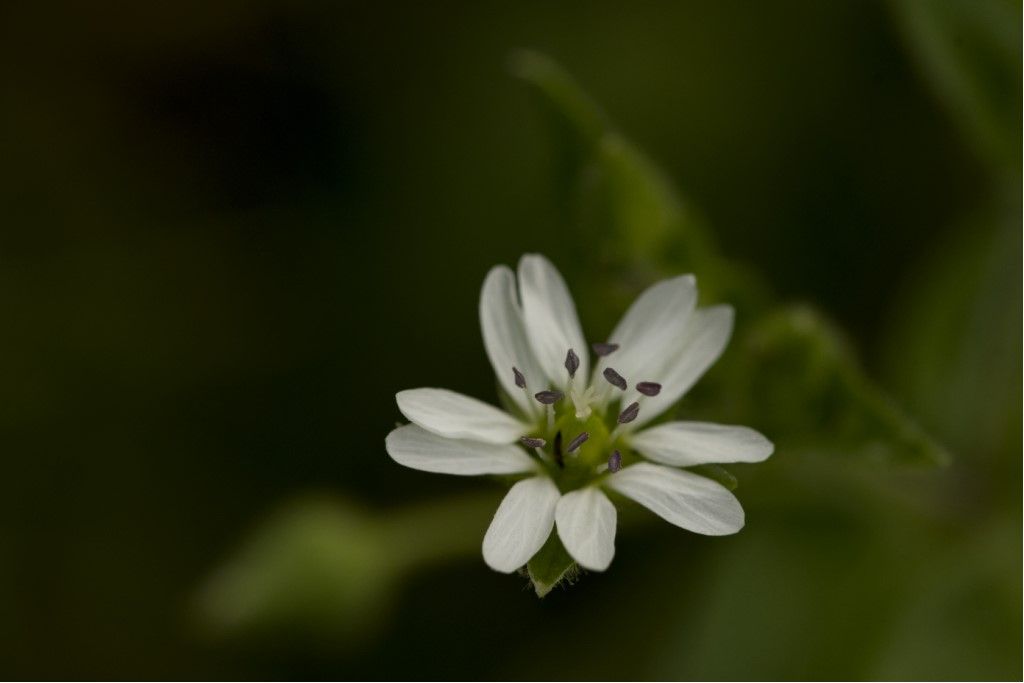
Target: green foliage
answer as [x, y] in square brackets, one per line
[324, 570]
[628, 211]
[958, 338]
[793, 376]
[970, 50]
[317, 568]
[582, 123]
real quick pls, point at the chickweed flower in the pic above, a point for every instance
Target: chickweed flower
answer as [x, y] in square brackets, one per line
[578, 424]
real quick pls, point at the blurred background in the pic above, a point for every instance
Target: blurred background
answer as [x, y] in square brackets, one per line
[232, 231]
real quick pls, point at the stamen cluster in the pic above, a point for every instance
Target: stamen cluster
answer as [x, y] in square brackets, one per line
[589, 416]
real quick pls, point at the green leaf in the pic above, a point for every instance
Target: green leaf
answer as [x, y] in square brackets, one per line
[550, 566]
[575, 115]
[318, 568]
[627, 194]
[794, 377]
[650, 222]
[640, 228]
[957, 339]
[969, 50]
[963, 620]
[324, 572]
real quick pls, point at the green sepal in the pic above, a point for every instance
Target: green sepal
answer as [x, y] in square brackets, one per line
[550, 566]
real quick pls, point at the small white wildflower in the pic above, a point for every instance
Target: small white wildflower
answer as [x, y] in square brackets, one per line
[577, 432]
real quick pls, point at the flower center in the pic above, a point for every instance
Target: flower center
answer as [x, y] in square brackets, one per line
[580, 439]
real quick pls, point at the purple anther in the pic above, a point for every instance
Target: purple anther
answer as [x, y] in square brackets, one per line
[630, 413]
[615, 378]
[572, 362]
[615, 461]
[577, 442]
[548, 397]
[648, 388]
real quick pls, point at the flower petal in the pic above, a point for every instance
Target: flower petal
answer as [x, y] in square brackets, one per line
[586, 526]
[650, 332]
[458, 416]
[419, 449]
[683, 444]
[521, 525]
[681, 498]
[505, 340]
[703, 341]
[550, 315]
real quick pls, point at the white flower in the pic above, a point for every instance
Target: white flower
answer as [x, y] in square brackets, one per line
[576, 433]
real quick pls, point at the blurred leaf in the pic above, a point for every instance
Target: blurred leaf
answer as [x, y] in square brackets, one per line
[970, 52]
[650, 222]
[550, 566]
[793, 376]
[904, 584]
[318, 567]
[769, 601]
[629, 211]
[965, 621]
[577, 117]
[324, 570]
[957, 338]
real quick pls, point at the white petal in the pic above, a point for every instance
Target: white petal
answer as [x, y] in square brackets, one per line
[703, 341]
[458, 416]
[586, 526]
[551, 322]
[521, 525]
[650, 333]
[501, 320]
[682, 444]
[419, 449]
[682, 498]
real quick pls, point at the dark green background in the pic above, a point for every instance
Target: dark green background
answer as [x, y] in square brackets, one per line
[233, 230]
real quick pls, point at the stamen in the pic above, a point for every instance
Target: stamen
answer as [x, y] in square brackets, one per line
[556, 448]
[520, 378]
[630, 413]
[572, 363]
[615, 378]
[603, 349]
[533, 442]
[577, 442]
[648, 388]
[615, 462]
[548, 397]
